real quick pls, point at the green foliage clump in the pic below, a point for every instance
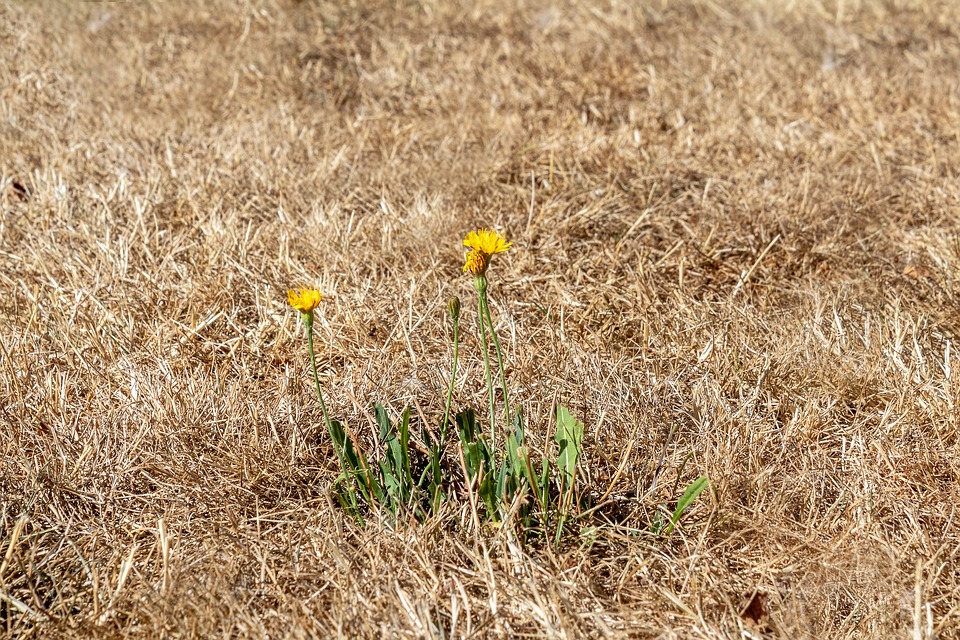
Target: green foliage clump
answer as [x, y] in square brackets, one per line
[501, 483]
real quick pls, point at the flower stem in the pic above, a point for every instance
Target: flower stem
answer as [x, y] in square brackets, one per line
[308, 320]
[481, 284]
[453, 379]
[496, 344]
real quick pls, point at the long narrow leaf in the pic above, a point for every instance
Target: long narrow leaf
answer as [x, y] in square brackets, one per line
[694, 489]
[405, 450]
[569, 439]
[392, 464]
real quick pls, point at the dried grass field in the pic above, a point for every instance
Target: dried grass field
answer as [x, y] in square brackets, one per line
[736, 254]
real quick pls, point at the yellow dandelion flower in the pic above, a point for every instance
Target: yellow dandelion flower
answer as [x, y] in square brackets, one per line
[476, 263]
[304, 300]
[486, 242]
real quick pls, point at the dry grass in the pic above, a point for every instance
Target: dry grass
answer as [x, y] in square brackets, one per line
[736, 246]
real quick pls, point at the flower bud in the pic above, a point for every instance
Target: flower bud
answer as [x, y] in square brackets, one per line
[453, 306]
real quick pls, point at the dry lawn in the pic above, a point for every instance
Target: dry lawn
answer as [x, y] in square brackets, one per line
[736, 254]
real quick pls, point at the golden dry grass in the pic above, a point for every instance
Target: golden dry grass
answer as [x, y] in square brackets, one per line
[736, 254]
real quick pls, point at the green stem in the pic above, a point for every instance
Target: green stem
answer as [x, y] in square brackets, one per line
[437, 449]
[496, 344]
[481, 285]
[308, 319]
[453, 379]
[351, 494]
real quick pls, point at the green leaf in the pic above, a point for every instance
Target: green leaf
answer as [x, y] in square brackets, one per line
[656, 526]
[693, 491]
[569, 439]
[388, 438]
[489, 492]
[480, 462]
[528, 473]
[466, 425]
[338, 435]
[471, 458]
[354, 465]
[347, 499]
[383, 420]
[515, 455]
[476, 452]
[395, 467]
[504, 486]
[405, 449]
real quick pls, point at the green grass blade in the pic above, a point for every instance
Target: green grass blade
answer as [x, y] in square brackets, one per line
[693, 491]
[405, 451]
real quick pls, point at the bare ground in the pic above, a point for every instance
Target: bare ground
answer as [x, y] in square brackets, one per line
[737, 254]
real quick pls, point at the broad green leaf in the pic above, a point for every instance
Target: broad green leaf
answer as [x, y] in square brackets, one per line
[569, 439]
[466, 425]
[489, 493]
[383, 420]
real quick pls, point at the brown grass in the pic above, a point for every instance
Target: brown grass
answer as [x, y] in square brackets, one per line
[736, 250]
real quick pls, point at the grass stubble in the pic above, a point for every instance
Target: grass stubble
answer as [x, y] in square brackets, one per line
[736, 254]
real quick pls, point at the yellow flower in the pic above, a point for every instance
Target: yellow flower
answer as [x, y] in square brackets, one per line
[304, 300]
[483, 244]
[486, 242]
[475, 263]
